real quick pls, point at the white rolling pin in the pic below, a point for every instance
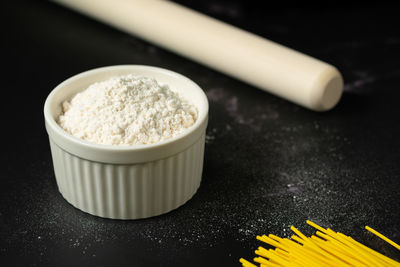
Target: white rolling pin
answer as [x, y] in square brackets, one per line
[262, 63]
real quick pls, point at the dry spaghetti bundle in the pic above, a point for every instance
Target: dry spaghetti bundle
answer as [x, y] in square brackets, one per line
[325, 248]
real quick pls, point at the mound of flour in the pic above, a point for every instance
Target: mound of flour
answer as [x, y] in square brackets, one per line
[127, 110]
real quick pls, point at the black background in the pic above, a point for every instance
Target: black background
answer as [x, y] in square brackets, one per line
[268, 163]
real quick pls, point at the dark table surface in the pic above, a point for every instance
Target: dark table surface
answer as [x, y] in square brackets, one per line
[268, 164]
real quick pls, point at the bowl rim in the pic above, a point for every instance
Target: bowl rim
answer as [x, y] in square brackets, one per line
[67, 141]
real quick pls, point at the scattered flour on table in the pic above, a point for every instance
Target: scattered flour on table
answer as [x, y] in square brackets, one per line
[127, 110]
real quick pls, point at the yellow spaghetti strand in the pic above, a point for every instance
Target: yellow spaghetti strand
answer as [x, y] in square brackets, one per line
[330, 232]
[274, 237]
[297, 232]
[375, 253]
[262, 260]
[298, 239]
[269, 264]
[348, 251]
[302, 255]
[382, 237]
[280, 241]
[362, 247]
[282, 257]
[316, 226]
[367, 255]
[345, 249]
[358, 253]
[265, 262]
[270, 255]
[270, 241]
[306, 241]
[284, 254]
[246, 263]
[336, 252]
[312, 246]
[290, 250]
[327, 231]
[326, 248]
[316, 252]
[324, 252]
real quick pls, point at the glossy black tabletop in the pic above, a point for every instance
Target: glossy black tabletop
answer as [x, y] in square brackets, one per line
[269, 164]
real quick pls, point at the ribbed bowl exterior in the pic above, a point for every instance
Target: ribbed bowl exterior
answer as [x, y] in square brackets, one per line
[129, 191]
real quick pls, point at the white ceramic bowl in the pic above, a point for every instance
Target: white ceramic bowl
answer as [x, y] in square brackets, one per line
[127, 182]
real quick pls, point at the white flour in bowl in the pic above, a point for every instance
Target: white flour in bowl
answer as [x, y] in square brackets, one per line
[127, 110]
